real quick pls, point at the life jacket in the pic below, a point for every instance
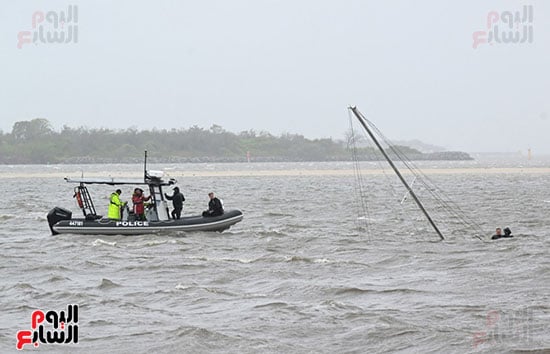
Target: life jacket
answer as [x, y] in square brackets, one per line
[139, 207]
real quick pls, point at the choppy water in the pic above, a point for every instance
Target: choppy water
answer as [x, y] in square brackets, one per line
[297, 275]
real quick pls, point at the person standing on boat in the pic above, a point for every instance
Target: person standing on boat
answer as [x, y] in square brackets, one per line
[139, 203]
[177, 201]
[215, 206]
[115, 205]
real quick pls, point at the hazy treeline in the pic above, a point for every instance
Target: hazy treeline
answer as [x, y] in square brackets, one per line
[37, 142]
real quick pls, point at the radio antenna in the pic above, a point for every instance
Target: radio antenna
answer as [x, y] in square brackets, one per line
[145, 167]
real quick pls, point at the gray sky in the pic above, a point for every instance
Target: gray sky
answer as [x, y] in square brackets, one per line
[284, 66]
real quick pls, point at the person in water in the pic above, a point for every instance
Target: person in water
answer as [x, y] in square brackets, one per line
[498, 233]
[177, 201]
[507, 232]
[215, 207]
[115, 205]
[139, 203]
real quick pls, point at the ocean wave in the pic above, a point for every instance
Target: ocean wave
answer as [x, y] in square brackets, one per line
[57, 278]
[100, 242]
[275, 232]
[400, 290]
[297, 259]
[277, 214]
[91, 263]
[107, 284]
[254, 295]
[99, 323]
[322, 260]
[56, 267]
[182, 287]
[191, 331]
[225, 259]
[333, 304]
[24, 308]
[538, 350]
[219, 291]
[355, 290]
[276, 304]
[351, 290]
[153, 243]
[23, 286]
[241, 260]
[6, 217]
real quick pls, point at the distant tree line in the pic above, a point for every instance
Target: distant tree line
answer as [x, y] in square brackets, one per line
[36, 142]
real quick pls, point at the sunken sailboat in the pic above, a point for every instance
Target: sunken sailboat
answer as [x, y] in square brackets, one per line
[444, 203]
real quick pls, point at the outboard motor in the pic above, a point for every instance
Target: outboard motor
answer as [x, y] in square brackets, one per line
[56, 215]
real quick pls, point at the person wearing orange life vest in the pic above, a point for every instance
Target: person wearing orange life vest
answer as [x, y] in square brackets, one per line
[115, 205]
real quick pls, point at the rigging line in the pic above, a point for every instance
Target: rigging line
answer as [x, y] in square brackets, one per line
[359, 186]
[452, 207]
[409, 189]
[446, 202]
[417, 172]
[453, 211]
[361, 120]
[363, 195]
[402, 212]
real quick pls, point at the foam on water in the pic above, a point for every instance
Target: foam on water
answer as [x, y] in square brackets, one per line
[100, 242]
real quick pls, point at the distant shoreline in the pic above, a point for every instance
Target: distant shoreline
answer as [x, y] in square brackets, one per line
[36, 142]
[283, 173]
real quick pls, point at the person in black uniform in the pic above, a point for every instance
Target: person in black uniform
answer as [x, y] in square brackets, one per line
[215, 207]
[507, 232]
[498, 234]
[177, 201]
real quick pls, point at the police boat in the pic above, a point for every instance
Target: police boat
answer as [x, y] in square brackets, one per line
[158, 219]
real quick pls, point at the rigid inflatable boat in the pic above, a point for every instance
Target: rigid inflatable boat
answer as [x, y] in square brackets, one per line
[158, 219]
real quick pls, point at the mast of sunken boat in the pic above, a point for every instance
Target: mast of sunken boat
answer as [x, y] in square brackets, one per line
[363, 121]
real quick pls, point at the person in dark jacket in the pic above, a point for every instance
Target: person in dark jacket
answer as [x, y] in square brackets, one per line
[507, 232]
[498, 234]
[215, 207]
[177, 201]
